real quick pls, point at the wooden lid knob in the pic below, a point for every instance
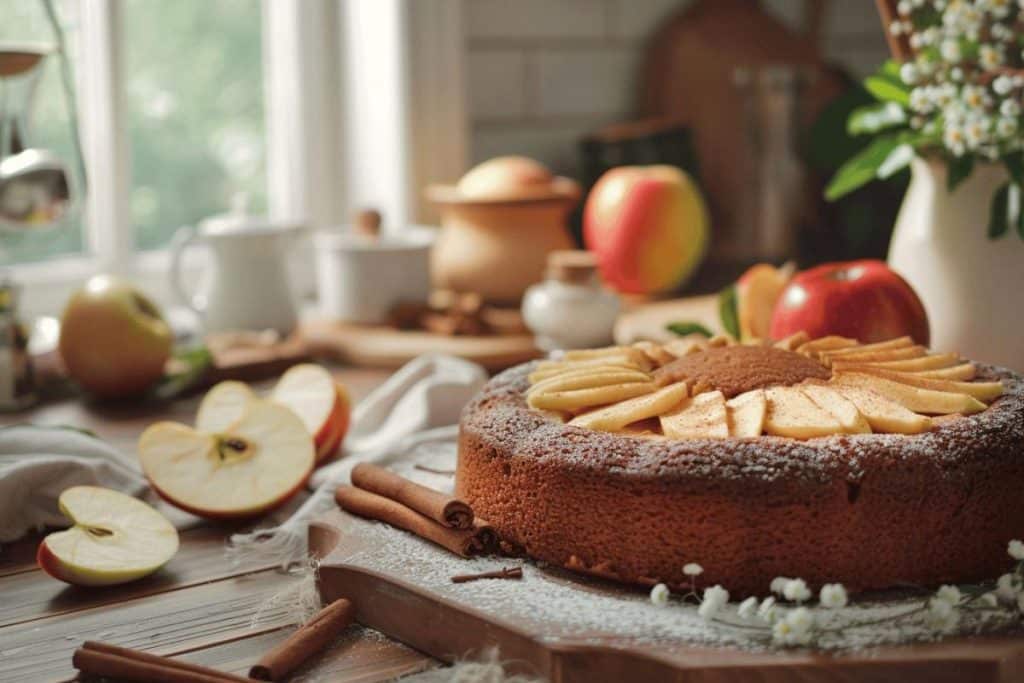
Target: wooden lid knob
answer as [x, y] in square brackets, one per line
[367, 223]
[572, 267]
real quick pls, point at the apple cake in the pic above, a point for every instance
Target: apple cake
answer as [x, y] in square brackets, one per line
[873, 465]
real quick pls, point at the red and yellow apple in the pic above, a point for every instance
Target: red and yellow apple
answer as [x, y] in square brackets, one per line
[253, 465]
[320, 402]
[114, 538]
[113, 340]
[648, 226]
[863, 300]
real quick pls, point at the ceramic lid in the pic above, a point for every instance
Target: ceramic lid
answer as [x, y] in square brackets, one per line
[239, 221]
[504, 180]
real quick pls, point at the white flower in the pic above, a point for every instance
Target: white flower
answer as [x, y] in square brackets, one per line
[975, 132]
[1016, 549]
[1007, 587]
[954, 139]
[999, 9]
[1010, 108]
[796, 628]
[956, 73]
[1006, 127]
[909, 73]
[920, 100]
[692, 569]
[767, 609]
[941, 616]
[659, 595]
[973, 96]
[950, 594]
[950, 50]
[797, 590]
[1002, 84]
[990, 57]
[779, 584]
[896, 28]
[904, 7]
[715, 598]
[989, 600]
[833, 596]
[944, 95]
[747, 608]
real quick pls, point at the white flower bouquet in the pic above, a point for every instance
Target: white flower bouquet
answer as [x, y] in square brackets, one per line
[954, 91]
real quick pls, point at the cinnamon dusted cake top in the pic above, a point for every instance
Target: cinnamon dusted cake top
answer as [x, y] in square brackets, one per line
[798, 388]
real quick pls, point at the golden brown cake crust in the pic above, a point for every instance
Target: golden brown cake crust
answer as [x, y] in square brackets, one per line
[736, 369]
[867, 510]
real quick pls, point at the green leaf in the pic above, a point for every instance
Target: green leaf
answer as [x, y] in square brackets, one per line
[897, 160]
[876, 117]
[194, 363]
[685, 328]
[998, 220]
[862, 168]
[727, 311]
[959, 169]
[885, 90]
[890, 70]
[1015, 167]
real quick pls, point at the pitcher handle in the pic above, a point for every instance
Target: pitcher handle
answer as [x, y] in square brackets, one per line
[183, 238]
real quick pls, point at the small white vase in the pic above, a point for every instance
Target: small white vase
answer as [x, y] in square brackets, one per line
[971, 286]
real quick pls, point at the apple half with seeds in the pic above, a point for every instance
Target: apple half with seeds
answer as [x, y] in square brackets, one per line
[320, 402]
[114, 538]
[255, 464]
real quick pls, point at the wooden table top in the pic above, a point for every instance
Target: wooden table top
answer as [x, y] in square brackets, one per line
[198, 607]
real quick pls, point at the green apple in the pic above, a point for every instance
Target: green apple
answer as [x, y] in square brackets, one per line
[113, 340]
[114, 538]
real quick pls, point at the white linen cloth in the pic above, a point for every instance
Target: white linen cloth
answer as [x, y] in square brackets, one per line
[415, 413]
[38, 463]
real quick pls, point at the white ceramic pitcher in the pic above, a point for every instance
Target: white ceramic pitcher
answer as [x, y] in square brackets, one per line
[246, 284]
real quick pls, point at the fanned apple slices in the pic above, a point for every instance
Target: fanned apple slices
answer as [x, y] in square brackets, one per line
[890, 387]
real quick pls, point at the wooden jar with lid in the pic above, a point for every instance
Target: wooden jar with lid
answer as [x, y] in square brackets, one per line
[498, 225]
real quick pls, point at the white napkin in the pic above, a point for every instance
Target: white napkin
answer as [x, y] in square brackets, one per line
[413, 415]
[38, 463]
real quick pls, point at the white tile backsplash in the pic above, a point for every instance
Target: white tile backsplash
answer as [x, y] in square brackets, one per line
[497, 84]
[586, 81]
[535, 18]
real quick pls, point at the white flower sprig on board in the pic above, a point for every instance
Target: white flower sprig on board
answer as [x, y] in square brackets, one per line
[959, 96]
[794, 624]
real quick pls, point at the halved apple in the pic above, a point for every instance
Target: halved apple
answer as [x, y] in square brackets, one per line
[701, 417]
[928, 401]
[791, 413]
[746, 413]
[258, 463]
[841, 408]
[320, 402]
[882, 414]
[223, 406]
[114, 538]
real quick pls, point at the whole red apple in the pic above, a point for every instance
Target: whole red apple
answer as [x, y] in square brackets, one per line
[648, 226]
[863, 300]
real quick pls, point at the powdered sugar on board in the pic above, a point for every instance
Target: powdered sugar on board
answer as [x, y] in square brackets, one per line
[579, 609]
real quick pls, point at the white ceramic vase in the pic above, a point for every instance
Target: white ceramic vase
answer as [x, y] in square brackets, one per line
[971, 286]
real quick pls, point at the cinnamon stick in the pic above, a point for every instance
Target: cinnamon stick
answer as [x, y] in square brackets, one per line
[110, 661]
[309, 639]
[445, 509]
[504, 573]
[481, 538]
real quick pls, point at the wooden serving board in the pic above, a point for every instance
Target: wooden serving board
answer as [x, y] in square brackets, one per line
[399, 590]
[387, 347]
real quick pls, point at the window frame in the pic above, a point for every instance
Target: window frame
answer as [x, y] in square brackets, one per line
[317, 156]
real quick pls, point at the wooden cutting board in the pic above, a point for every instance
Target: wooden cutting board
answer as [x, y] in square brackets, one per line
[405, 601]
[387, 347]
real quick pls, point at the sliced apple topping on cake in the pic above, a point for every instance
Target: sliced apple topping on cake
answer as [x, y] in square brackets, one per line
[797, 388]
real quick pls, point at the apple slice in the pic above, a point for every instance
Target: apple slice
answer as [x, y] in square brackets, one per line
[585, 380]
[890, 345]
[550, 368]
[310, 391]
[963, 372]
[746, 413]
[928, 401]
[839, 407]
[932, 362]
[983, 391]
[701, 417]
[757, 290]
[858, 356]
[829, 343]
[114, 538]
[223, 406]
[254, 466]
[791, 413]
[882, 414]
[614, 417]
[584, 399]
[793, 341]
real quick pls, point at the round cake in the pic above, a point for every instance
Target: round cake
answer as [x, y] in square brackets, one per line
[870, 465]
